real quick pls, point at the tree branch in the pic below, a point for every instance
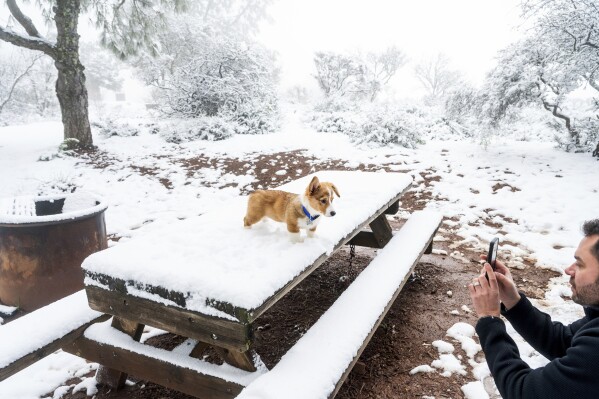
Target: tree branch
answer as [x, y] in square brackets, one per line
[553, 108]
[587, 42]
[31, 43]
[14, 84]
[23, 19]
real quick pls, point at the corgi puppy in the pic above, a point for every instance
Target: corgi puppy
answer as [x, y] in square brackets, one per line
[297, 211]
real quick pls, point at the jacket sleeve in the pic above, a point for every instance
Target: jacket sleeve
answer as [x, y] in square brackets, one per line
[573, 375]
[550, 339]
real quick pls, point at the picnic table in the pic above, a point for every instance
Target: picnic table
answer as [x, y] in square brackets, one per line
[209, 279]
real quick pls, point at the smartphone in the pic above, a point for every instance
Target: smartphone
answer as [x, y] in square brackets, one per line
[492, 254]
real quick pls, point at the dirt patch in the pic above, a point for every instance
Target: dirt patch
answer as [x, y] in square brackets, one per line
[421, 314]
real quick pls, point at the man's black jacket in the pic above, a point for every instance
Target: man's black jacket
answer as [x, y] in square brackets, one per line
[573, 351]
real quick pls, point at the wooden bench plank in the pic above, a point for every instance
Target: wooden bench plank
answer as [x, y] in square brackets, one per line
[103, 344]
[338, 338]
[44, 331]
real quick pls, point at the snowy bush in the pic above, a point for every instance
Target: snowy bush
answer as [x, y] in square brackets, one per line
[222, 78]
[335, 122]
[336, 104]
[256, 120]
[388, 128]
[110, 128]
[212, 128]
[375, 124]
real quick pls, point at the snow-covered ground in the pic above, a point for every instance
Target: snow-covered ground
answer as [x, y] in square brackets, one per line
[538, 194]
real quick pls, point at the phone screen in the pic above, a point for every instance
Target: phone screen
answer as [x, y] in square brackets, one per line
[492, 254]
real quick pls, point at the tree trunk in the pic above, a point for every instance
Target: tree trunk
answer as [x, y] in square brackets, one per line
[70, 85]
[553, 108]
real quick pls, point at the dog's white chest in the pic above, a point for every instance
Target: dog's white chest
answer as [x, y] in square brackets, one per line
[305, 223]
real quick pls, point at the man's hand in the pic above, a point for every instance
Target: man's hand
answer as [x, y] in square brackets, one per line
[485, 294]
[508, 292]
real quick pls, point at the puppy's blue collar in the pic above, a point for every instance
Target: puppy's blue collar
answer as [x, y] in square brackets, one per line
[310, 217]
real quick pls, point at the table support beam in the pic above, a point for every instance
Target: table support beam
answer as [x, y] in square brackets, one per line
[110, 377]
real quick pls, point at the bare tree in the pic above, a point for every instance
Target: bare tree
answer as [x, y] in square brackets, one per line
[436, 76]
[380, 68]
[338, 74]
[357, 76]
[18, 75]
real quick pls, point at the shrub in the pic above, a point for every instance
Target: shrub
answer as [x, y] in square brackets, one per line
[110, 128]
[184, 130]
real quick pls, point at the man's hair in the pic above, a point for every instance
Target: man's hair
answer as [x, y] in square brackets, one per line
[591, 228]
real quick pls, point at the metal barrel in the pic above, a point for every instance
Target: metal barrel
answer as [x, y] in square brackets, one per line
[41, 253]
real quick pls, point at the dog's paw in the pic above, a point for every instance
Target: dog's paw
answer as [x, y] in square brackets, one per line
[295, 238]
[311, 234]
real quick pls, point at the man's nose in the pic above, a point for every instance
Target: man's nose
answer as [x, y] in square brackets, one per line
[570, 270]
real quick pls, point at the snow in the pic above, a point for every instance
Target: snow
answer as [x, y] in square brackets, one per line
[26, 335]
[425, 368]
[105, 334]
[540, 213]
[200, 250]
[7, 310]
[475, 390]
[328, 347]
[21, 209]
[443, 347]
[449, 364]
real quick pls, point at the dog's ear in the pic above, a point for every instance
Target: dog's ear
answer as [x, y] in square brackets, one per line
[335, 190]
[314, 185]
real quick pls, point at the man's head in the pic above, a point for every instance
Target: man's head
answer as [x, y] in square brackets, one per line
[584, 272]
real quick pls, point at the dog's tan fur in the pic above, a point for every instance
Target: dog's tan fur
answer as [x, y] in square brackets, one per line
[285, 207]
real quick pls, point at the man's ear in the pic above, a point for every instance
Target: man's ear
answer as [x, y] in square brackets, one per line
[335, 190]
[314, 185]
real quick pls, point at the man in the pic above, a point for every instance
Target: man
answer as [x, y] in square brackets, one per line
[573, 350]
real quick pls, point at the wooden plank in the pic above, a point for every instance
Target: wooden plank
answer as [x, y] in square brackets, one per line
[198, 350]
[429, 249]
[45, 350]
[213, 330]
[393, 209]
[381, 230]
[159, 371]
[111, 377]
[380, 319]
[364, 239]
[241, 360]
[255, 313]
[377, 238]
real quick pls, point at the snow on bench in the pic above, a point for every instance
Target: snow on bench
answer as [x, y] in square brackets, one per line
[42, 332]
[316, 366]
[192, 375]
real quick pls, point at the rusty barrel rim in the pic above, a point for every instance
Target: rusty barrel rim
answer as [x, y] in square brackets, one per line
[95, 205]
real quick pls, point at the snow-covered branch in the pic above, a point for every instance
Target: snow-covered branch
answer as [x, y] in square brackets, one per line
[23, 19]
[32, 43]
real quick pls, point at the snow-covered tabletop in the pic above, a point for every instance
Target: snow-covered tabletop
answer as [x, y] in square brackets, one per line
[212, 259]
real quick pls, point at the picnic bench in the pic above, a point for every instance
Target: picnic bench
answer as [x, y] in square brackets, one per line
[208, 279]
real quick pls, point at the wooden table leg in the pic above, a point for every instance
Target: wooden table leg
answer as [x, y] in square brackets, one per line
[110, 377]
[429, 249]
[241, 360]
[382, 230]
